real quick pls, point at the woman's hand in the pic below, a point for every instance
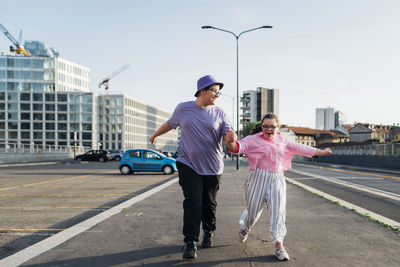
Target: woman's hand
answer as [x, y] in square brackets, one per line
[326, 151]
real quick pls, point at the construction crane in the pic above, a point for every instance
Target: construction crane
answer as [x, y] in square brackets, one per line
[17, 48]
[112, 75]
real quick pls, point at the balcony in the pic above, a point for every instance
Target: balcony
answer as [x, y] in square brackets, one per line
[245, 99]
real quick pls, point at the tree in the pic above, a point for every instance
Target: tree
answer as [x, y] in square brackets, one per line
[247, 127]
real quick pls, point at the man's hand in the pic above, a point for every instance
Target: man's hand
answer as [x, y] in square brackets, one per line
[230, 136]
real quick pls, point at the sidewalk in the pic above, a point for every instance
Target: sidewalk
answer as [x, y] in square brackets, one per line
[320, 233]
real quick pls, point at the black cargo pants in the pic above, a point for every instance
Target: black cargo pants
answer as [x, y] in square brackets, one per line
[200, 204]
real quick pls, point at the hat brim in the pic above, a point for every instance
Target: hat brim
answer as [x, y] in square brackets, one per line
[221, 85]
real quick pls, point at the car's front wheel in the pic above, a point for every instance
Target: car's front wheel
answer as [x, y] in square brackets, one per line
[125, 170]
[102, 159]
[78, 159]
[167, 169]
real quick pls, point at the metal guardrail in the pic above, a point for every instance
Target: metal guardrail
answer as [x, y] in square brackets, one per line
[27, 148]
[372, 150]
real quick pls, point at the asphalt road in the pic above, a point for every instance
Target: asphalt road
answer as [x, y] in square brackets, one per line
[38, 201]
[378, 192]
[148, 233]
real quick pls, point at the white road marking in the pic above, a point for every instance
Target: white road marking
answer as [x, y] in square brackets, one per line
[351, 185]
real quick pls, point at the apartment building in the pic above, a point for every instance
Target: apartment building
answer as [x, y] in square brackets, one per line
[256, 103]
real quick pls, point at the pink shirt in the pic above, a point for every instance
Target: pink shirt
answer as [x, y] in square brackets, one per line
[271, 155]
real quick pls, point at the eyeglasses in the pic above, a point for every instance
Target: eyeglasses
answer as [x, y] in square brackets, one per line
[216, 93]
[272, 127]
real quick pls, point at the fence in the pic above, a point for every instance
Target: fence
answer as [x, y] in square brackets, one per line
[34, 148]
[368, 150]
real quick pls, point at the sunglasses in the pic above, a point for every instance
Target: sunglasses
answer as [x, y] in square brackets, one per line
[272, 127]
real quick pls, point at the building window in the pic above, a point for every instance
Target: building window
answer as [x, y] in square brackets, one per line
[49, 135]
[86, 127]
[12, 106]
[37, 107]
[62, 117]
[62, 98]
[37, 97]
[50, 97]
[62, 126]
[13, 125]
[25, 135]
[25, 106]
[61, 107]
[37, 116]
[25, 97]
[25, 125]
[37, 135]
[37, 126]
[12, 116]
[50, 116]
[62, 136]
[13, 135]
[86, 136]
[50, 107]
[50, 126]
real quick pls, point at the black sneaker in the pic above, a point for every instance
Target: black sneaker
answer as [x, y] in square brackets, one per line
[207, 239]
[189, 250]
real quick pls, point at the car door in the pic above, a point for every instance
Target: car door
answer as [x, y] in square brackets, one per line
[88, 155]
[152, 161]
[135, 157]
[97, 154]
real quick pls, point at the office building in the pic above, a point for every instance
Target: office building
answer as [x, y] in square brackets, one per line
[256, 103]
[45, 101]
[126, 123]
[324, 119]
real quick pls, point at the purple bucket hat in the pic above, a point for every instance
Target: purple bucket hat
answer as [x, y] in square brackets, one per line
[205, 82]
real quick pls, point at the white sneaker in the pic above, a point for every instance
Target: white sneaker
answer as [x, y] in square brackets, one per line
[281, 254]
[243, 234]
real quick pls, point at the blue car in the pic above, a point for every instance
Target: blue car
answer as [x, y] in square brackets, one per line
[146, 160]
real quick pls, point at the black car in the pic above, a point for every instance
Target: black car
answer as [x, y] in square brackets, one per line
[94, 155]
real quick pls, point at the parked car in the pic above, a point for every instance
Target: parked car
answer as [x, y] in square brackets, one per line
[95, 155]
[167, 154]
[146, 160]
[116, 154]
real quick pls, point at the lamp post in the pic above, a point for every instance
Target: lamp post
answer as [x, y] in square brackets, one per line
[75, 96]
[237, 69]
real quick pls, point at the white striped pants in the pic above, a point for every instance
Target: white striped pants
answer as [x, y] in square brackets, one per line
[265, 187]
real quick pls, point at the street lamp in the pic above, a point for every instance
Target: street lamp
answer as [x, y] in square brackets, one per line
[237, 69]
[75, 96]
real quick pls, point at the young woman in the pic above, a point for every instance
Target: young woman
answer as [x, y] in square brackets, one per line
[269, 155]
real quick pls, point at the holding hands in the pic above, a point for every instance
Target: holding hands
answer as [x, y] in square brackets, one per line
[230, 136]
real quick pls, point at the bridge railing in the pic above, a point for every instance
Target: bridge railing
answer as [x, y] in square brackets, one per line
[372, 150]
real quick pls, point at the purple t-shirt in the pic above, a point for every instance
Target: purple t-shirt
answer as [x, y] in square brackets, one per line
[202, 131]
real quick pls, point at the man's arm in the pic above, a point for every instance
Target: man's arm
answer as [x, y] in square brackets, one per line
[162, 130]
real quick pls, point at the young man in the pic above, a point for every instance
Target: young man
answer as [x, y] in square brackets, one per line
[200, 165]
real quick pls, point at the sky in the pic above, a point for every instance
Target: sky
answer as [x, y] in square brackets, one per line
[343, 54]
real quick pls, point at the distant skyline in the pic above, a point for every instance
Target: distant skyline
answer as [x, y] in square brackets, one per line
[342, 54]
